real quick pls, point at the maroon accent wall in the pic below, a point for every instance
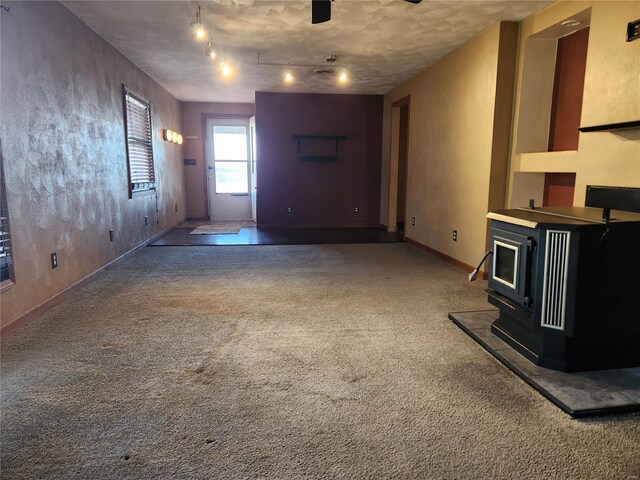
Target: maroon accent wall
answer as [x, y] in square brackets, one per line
[319, 193]
[559, 189]
[566, 107]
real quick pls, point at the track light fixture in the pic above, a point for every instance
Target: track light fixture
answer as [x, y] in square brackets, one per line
[227, 71]
[210, 52]
[197, 26]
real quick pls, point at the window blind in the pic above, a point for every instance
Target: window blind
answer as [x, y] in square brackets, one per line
[139, 142]
[5, 238]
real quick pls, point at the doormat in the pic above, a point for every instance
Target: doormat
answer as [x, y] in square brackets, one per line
[580, 394]
[216, 230]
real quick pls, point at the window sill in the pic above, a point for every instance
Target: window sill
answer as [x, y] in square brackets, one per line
[143, 193]
[6, 285]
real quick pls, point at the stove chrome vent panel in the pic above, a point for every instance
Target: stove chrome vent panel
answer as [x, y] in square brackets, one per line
[554, 291]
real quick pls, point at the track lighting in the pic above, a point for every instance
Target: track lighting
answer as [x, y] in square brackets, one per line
[210, 52]
[197, 26]
[227, 71]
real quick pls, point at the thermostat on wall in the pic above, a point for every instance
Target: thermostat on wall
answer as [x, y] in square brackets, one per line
[633, 30]
[189, 161]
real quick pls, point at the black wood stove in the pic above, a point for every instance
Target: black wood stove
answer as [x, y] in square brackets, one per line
[566, 281]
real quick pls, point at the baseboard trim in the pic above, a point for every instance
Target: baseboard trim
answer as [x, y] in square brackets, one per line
[59, 297]
[318, 225]
[453, 261]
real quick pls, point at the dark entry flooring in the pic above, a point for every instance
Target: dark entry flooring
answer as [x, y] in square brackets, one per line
[180, 236]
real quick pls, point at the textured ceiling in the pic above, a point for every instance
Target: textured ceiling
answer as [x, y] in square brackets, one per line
[380, 42]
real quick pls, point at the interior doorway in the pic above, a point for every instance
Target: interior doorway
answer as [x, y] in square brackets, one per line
[399, 162]
[403, 145]
[229, 169]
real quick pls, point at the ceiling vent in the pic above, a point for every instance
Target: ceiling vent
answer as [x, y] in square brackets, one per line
[324, 70]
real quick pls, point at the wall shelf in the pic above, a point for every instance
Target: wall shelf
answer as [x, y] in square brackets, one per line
[319, 158]
[335, 138]
[610, 127]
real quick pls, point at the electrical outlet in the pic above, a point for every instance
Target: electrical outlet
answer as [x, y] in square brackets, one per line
[288, 209]
[111, 235]
[413, 221]
[455, 236]
[54, 260]
[355, 209]
[146, 220]
[176, 207]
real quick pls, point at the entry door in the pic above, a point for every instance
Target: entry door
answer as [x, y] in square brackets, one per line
[253, 185]
[228, 167]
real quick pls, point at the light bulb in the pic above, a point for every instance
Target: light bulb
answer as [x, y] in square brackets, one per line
[200, 32]
[288, 77]
[180, 139]
[168, 135]
[226, 69]
[174, 139]
[343, 76]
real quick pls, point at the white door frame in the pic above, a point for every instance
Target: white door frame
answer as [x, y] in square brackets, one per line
[226, 206]
[253, 176]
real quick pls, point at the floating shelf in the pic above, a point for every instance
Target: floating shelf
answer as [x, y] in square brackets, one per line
[611, 127]
[335, 138]
[311, 158]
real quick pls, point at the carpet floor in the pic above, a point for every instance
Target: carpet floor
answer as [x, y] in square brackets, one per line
[329, 361]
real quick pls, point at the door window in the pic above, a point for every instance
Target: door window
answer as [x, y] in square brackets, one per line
[231, 159]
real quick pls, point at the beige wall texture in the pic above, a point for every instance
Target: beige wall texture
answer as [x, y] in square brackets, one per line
[460, 115]
[611, 95]
[63, 146]
[193, 122]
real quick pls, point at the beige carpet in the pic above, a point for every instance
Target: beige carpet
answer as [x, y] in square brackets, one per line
[283, 362]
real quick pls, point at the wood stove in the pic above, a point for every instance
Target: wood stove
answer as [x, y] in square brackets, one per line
[566, 282]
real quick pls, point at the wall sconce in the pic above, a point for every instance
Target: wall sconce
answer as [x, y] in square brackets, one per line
[173, 137]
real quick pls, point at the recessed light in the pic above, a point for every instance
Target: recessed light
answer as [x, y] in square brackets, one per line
[572, 22]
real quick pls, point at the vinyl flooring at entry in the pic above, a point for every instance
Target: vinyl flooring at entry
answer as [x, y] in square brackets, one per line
[180, 236]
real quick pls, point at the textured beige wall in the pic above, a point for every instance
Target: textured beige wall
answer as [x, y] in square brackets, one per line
[451, 144]
[611, 95]
[63, 144]
[193, 114]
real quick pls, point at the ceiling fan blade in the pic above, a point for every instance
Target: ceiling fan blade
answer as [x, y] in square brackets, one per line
[320, 11]
[413, 1]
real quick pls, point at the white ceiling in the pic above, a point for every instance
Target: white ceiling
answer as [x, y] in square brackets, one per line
[380, 42]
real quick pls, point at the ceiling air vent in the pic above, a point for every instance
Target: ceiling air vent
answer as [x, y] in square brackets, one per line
[323, 71]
